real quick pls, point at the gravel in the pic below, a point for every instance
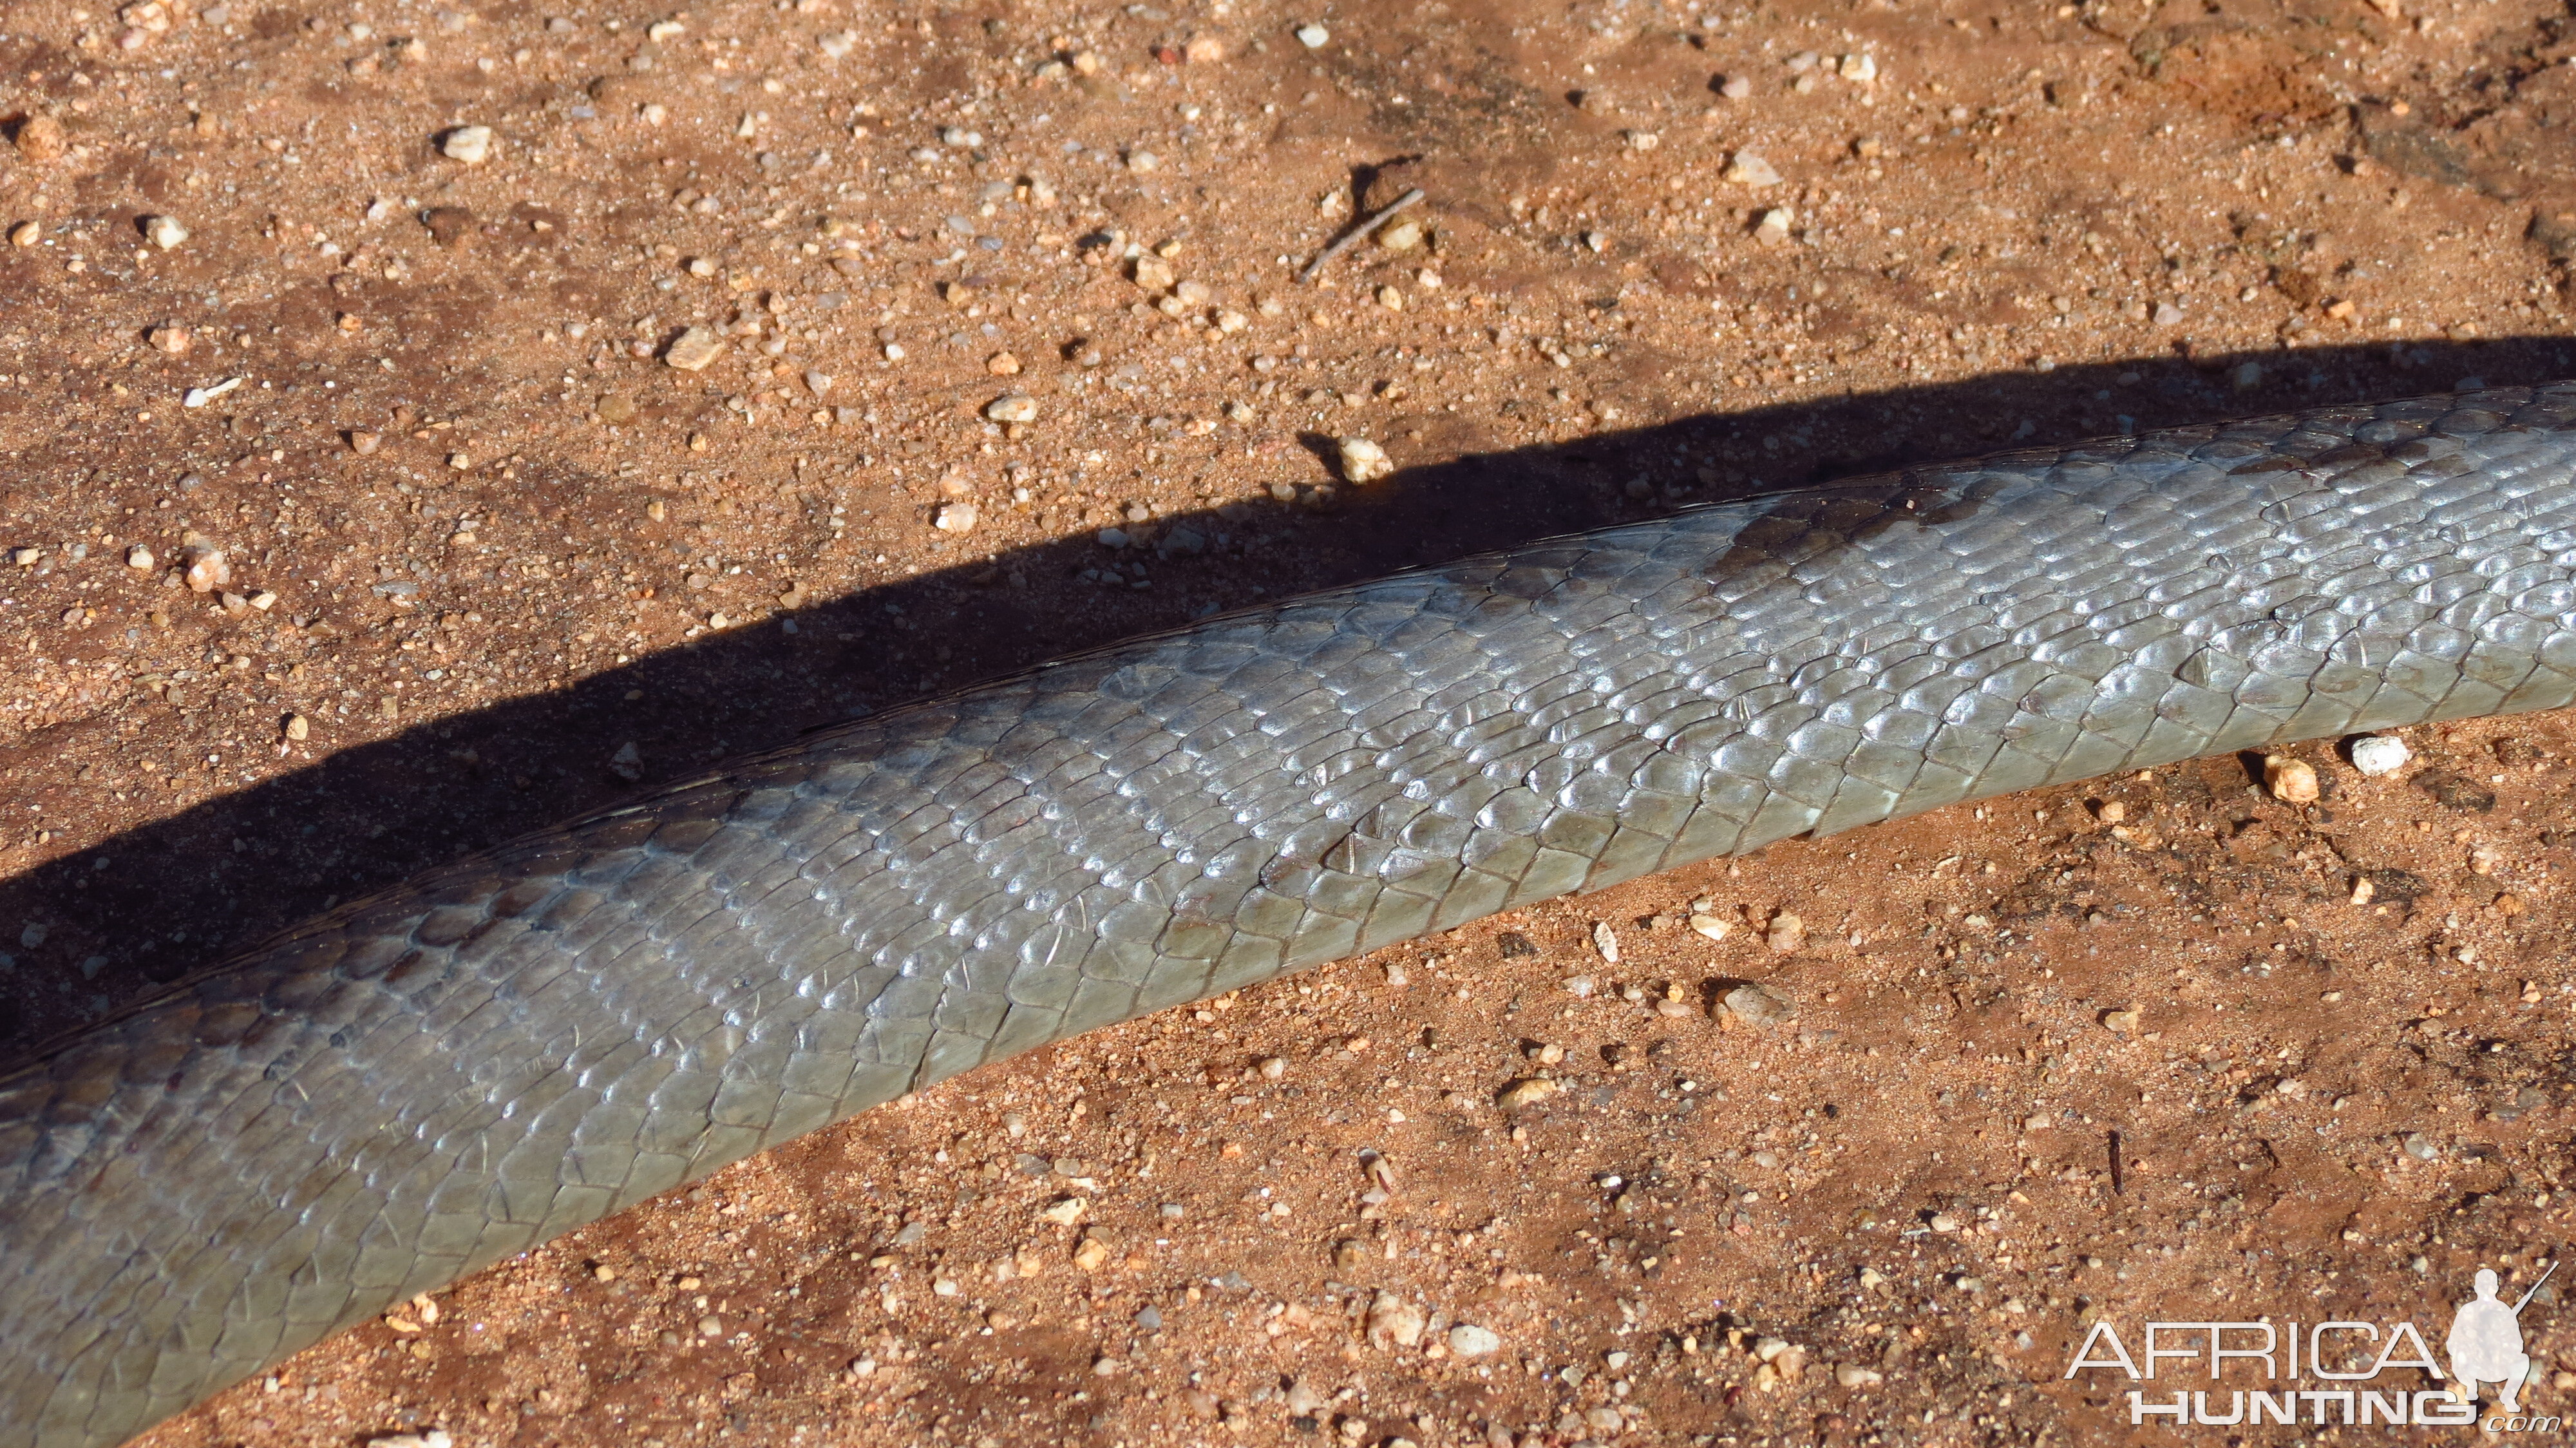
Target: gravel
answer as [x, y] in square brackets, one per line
[610, 510]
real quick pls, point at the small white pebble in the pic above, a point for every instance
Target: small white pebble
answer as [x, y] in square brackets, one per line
[165, 232]
[139, 557]
[1012, 407]
[1364, 461]
[200, 396]
[471, 145]
[208, 570]
[1787, 933]
[955, 518]
[1313, 37]
[2380, 754]
[693, 349]
[1746, 168]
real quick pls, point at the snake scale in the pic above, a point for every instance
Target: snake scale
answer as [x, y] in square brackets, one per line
[427, 1081]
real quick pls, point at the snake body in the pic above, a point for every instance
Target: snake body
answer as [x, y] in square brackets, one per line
[425, 1082]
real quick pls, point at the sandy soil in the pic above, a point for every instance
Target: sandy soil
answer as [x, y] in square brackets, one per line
[492, 561]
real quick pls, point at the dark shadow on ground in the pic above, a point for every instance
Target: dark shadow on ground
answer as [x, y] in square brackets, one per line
[161, 901]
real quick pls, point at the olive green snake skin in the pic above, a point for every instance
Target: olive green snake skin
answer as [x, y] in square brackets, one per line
[428, 1081]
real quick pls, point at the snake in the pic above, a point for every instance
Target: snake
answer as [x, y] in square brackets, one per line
[421, 1083]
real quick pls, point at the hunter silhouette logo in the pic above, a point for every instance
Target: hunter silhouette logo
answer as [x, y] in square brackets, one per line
[2486, 1341]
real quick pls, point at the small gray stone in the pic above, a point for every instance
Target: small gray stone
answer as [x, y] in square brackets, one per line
[1758, 1005]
